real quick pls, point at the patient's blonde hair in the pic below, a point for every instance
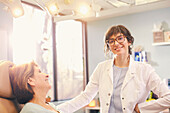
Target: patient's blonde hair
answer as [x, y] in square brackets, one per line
[19, 75]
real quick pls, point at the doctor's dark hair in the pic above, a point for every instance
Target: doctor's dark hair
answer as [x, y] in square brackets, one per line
[19, 75]
[114, 30]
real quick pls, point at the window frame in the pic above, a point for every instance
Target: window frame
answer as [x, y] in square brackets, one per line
[85, 57]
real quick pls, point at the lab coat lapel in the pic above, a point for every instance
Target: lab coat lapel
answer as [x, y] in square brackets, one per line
[110, 70]
[130, 73]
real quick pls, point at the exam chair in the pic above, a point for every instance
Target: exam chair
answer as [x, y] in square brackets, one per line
[8, 103]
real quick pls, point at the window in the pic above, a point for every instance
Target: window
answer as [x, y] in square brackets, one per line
[69, 55]
[32, 40]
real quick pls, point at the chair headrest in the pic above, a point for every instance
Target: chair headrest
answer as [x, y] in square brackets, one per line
[5, 85]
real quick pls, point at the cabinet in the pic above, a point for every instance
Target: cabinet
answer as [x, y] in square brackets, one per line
[92, 110]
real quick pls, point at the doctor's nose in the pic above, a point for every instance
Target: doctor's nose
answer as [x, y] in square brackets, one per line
[115, 43]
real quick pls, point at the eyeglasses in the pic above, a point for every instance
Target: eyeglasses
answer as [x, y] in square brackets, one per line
[119, 39]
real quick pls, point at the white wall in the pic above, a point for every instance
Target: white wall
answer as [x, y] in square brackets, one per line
[6, 22]
[140, 25]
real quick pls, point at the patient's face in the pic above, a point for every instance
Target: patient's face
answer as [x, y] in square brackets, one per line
[41, 79]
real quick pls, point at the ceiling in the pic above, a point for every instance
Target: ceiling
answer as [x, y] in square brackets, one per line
[102, 9]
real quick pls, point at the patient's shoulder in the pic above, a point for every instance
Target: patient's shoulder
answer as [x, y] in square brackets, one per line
[34, 108]
[30, 108]
[27, 109]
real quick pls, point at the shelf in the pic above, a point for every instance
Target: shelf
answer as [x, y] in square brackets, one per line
[161, 44]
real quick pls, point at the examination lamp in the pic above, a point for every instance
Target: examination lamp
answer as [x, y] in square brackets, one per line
[14, 6]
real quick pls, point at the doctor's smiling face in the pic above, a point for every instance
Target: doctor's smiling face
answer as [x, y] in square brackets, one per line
[118, 44]
[118, 40]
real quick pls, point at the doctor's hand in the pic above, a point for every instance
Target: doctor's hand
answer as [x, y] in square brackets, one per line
[137, 109]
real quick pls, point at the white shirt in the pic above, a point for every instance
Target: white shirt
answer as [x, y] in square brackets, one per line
[118, 78]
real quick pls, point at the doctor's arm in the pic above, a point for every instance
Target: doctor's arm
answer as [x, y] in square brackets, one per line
[156, 85]
[85, 97]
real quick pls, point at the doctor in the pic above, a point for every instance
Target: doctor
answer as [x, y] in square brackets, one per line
[122, 83]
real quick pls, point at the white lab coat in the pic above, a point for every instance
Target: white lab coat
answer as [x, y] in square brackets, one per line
[139, 80]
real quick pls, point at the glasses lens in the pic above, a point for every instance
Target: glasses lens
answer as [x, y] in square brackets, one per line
[111, 41]
[120, 39]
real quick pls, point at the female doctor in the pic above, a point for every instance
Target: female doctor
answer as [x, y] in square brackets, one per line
[122, 83]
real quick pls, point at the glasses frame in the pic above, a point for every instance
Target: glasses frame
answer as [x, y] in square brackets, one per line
[116, 39]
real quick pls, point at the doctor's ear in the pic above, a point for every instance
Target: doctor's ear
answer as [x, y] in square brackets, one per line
[31, 81]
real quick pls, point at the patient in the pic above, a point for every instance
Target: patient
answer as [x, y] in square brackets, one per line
[30, 87]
